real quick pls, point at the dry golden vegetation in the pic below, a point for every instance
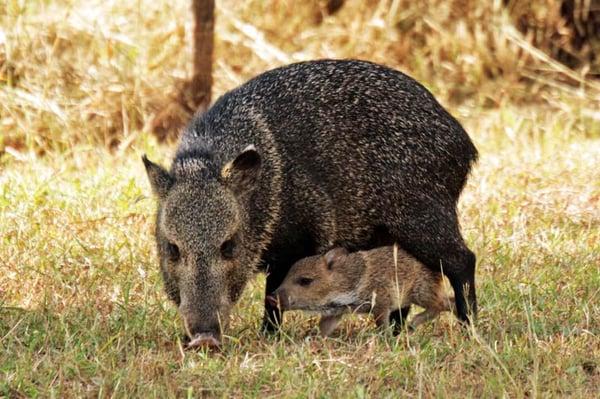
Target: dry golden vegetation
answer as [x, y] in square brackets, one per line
[95, 72]
[82, 312]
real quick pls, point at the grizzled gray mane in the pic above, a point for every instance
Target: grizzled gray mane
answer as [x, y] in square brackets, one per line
[195, 159]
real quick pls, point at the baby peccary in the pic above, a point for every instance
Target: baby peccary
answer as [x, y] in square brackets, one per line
[373, 281]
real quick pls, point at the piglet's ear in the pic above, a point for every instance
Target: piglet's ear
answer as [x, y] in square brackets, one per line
[160, 180]
[241, 174]
[335, 256]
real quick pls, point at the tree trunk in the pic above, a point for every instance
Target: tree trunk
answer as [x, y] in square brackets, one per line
[194, 95]
[204, 25]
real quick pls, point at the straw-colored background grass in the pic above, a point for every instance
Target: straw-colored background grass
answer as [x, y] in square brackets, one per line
[82, 311]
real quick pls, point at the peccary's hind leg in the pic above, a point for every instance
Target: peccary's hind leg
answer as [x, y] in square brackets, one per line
[463, 282]
[458, 264]
[471, 284]
[398, 318]
[431, 233]
[273, 314]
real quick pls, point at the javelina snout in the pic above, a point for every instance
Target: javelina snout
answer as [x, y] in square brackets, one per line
[202, 325]
[204, 317]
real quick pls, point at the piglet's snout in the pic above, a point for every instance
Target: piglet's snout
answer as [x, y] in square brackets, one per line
[272, 300]
[279, 298]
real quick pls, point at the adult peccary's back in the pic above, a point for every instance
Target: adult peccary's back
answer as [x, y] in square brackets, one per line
[343, 153]
[354, 117]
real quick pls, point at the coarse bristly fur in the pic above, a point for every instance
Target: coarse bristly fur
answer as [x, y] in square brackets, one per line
[301, 159]
[376, 281]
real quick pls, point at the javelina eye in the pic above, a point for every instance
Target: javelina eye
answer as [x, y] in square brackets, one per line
[173, 252]
[228, 249]
[304, 281]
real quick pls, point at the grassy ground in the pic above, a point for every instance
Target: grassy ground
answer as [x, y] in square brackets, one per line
[82, 311]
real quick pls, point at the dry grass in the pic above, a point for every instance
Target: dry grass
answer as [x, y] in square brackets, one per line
[75, 72]
[82, 312]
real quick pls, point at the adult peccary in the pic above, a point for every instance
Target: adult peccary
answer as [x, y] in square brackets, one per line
[376, 281]
[301, 159]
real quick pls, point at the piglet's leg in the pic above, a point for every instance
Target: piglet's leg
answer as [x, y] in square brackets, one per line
[328, 323]
[424, 316]
[444, 304]
[448, 304]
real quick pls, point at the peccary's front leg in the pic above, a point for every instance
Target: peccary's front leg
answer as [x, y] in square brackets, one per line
[329, 323]
[398, 319]
[273, 314]
[382, 316]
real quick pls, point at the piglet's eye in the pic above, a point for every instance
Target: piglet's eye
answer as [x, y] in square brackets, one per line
[173, 252]
[304, 281]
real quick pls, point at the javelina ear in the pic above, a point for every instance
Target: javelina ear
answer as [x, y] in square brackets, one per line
[242, 173]
[334, 256]
[160, 180]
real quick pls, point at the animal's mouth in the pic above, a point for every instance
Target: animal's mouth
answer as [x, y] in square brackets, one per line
[204, 340]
